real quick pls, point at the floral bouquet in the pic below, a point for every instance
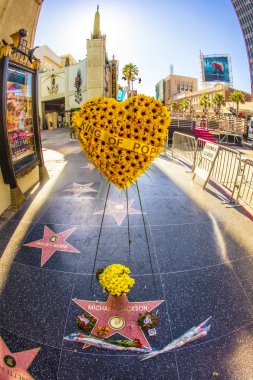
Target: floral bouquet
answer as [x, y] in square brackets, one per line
[85, 322]
[115, 280]
[147, 322]
[122, 139]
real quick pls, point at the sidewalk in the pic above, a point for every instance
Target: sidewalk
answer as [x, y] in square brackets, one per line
[201, 265]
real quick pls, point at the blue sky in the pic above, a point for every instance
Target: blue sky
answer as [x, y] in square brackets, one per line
[151, 34]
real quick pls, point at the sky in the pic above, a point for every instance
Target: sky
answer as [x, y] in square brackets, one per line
[152, 34]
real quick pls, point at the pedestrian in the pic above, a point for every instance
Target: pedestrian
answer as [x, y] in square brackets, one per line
[72, 132]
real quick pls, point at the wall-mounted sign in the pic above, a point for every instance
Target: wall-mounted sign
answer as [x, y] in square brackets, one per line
[20, 116]
[114, 84]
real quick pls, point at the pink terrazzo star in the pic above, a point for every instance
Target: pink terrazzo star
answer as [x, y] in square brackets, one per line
[119, 315]
[119, 210]
[14, 365]
[52, 242]
[78, 189]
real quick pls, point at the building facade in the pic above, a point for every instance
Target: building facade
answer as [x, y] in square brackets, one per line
[15, 15]
[194, 97]
[174, 85]
[244, 11]
[65, 85]
[49, 60]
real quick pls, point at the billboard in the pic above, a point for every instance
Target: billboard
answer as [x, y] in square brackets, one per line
[216, 68]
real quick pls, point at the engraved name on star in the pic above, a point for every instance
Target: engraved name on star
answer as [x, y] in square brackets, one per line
[119, 315]
[52, 242]
[89, 166]
[79, 188]
[13, 365]
[119, 210]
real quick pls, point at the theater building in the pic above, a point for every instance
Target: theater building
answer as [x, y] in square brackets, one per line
[66, 84]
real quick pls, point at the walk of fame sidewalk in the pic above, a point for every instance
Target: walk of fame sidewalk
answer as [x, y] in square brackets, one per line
[192, 260]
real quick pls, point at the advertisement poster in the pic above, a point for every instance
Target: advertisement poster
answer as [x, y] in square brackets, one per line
[19, 114]
[121, 94]
[216, 69]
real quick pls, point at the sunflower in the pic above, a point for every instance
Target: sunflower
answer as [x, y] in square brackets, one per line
[140, 118]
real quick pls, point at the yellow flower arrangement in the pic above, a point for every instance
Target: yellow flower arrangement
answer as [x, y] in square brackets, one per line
[122, 139]
[115, 280]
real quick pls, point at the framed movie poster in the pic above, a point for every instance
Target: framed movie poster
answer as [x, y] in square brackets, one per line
[19, 117]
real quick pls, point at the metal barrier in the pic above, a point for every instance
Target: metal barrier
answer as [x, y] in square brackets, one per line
[226, 168]
[181, 123]
[184, 146]
[245, 190]
[231, 125]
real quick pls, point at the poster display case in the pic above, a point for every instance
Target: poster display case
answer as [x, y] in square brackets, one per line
[20, 141]
[19, 118]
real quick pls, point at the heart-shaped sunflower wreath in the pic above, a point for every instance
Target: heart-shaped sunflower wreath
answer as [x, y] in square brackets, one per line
[122, 139]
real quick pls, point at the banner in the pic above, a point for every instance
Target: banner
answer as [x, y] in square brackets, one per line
[125, 143]
[114, 76]
[215, 68]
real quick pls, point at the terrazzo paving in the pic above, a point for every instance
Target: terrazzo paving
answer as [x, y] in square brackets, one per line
[200, 265]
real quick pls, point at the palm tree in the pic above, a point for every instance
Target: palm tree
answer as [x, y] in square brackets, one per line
[184, 105]
[204, 102]
[174, 106]
[130, 72]
[237, 97]
[218, 101]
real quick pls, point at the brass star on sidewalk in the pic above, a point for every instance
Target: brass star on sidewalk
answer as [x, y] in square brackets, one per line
[14, 365]
[119, 210]
[79, 189]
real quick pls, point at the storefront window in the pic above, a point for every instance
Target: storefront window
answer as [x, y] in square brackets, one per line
[20, 116]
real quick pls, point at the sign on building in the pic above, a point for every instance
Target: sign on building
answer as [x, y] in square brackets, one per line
[114, 82]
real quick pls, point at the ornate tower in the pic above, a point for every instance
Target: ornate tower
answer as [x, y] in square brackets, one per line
[96, 49]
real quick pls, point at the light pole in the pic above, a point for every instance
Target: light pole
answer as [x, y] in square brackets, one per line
[130, 91]
[132, 80]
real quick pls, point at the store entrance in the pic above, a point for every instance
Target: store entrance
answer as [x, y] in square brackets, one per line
[53, 112]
